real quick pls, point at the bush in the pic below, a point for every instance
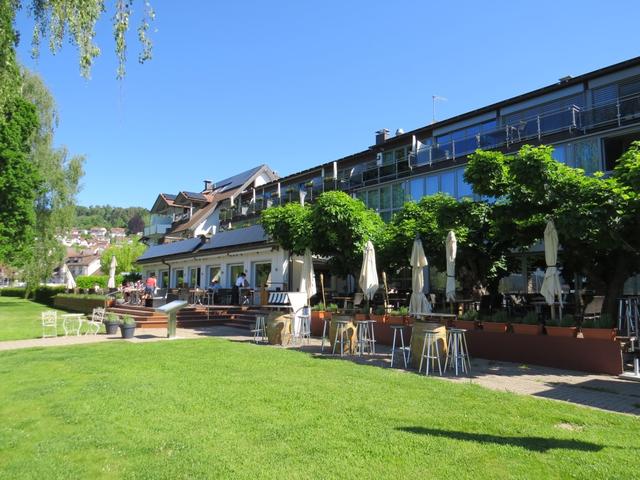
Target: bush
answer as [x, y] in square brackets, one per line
[128, 320]
[43, 294]
[500, 317]
[604, 321]
[83, 296]
[112, 318]
[90, 281]
[469, 315]
[567, 321]
[531, 318]
[318, 307]
[332, 307]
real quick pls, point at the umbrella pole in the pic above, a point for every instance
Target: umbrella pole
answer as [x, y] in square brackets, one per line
[324, 301]
[386, 292]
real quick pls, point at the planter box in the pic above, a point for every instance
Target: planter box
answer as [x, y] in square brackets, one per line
[317, 322]
[394, 320]
[560, 331]
[595, 356]
[526, 329]
[466, 324]
[80, 305]
[494, 327]
[599, 333]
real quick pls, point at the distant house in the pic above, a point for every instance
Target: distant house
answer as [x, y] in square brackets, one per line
[118, 234]
[83, 263]
[99, 232]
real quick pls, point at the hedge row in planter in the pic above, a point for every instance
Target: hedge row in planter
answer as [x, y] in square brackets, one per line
[42, 294]
[79, 303]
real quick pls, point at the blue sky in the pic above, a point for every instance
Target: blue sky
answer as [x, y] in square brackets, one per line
[294, 84]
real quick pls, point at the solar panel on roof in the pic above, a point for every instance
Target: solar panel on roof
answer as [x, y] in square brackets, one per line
[175, 248]
[242, 236]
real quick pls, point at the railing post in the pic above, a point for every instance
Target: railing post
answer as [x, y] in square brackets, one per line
[453, 149]
[618, 112]
[506, 133]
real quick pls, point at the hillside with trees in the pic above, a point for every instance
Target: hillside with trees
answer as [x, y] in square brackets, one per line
[133, 219]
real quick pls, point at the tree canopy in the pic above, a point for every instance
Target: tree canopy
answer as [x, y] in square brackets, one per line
[334, 226]
[126, 255]
[596, 217]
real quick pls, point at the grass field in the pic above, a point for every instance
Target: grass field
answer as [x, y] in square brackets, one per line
[20, 319]
[213, 408]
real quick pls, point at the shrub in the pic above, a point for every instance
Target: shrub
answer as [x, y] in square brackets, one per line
[332, 307]
[604, 321]
[83, 296]
[112, 318]
[567, 321]
[379, 311]
[531, 318]
[128, 320]
[90, 281]
[501, 316]
[42, 294]
[318, 307]
[469, 315]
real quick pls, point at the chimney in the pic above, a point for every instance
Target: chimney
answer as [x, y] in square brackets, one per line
[208, 185]
[382, 136]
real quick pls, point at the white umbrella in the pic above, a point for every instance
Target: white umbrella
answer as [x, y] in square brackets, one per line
[451, 248]
[369, 275]
[418, 303]
[551, 283]
[69, 282]
[307, 278]
[112, 273]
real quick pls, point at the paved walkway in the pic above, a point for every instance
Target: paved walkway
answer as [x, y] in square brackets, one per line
[597, 391]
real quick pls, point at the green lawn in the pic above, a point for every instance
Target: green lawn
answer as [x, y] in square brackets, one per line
[213, 408]
[20, 319]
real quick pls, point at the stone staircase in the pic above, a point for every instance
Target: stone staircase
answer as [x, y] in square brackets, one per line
[193, 316]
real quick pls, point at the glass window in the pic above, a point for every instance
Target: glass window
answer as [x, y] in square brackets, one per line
[234, 271]
[560, 153]
[448, 182]
[214, 273]
[373, 199]
[387, 158]
[179, 276]
[362, 196]
[432, 185]
[464, 189]
[262, 272]
[587, 155]
[164, 279]
[386, 216]
[417, 189]
[194, 277]
[399, 196]
[385, 197]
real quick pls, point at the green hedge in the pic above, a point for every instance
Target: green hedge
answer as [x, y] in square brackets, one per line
[89, 281]
[42, 295]
[87, 296]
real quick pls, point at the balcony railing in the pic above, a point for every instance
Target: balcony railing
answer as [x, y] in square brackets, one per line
[158, 229]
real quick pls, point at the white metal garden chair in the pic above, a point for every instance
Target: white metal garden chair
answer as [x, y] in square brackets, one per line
[49, 321]
[95, 322]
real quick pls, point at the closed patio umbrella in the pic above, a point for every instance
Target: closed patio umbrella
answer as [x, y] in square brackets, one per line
[551, 283]
[368, 274]
[418, 303]
[69, 282]
[451, 250]
[112, 273]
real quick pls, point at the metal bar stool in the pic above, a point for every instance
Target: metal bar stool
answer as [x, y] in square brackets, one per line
[259, 330]
[364, 342]
[325, 324]
[457, 351]
[371, 336]
[403, 349]
[432, 354]
[304, 329]
[341, 330]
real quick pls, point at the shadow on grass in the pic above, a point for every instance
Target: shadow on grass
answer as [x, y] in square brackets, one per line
[535, 444]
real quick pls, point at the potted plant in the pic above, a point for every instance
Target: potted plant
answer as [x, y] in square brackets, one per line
[467, 320]
[319, 313]
[598, 328]
[562, 328]
[497, 323]
[528, 325]
[111, 322]
[396, 316]
[128, 326]
[379, 315]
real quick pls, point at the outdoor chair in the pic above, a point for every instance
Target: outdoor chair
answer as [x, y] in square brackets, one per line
[50, 322]
[95, 322]
[593, 309]
[358, 299]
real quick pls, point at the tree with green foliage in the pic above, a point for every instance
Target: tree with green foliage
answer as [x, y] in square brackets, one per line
[334, 226]
[596, 217]
[126, 254]
[289, 225]
[109, 217]
[60, 176]
[481, 255]
[20, 181]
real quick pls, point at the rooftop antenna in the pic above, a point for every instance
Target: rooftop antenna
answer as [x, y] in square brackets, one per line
[433, 100]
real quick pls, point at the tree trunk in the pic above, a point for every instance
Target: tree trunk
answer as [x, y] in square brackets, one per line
[614, 289]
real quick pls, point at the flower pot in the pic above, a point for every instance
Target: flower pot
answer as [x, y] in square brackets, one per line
[317, 321]
[394, 320]
[599, 333]
[494, 327]
[466, 324]
[127, 330]
[526, 329]
[560, 331]
[111, 328]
